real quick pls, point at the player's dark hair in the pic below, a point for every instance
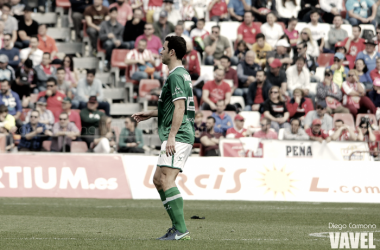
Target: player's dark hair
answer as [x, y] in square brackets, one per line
[339, 120]
[210, 117]
[260, 35]
[178, 44]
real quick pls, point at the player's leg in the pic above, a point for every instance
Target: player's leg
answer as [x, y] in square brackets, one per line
[157, 183]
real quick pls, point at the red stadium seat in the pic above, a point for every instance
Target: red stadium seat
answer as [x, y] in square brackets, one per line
[348, 119]
[46, 145]
[202, 150]
[146, 85]
[370, 116]
[63, 4]
[324, 59]
[78, 147]
[23, 114]
[99, 46]
[118, 58]
[196, 145]
[343, 13]
[84, 28]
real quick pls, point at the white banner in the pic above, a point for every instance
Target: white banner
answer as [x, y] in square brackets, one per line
[276, 149]
[216, 178]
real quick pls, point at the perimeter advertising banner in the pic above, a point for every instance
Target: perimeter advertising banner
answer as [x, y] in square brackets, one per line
[63, 175]
[249, 179]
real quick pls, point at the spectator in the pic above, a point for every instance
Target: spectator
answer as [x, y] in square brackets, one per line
[210, 139]
[10, 23]
[216, 90]
[27, 27]
[78, 7]
[317, 30]
[231, 74]
[365, 131]
[248, 30]
[72, 75]
[44, 71]
[111, 35]
[198, 34]
[258, 92]
[13, 54]
[295, 132]
[312, 46]
[299, 105]
[10, 99]
[33, 52]
[153, 42]
[287, 9]
[171, 14]
[321, 114]
[299, 77]
[331, 9]
[261, 8]
[266, 132]
[124, 11]
[354, 95]
[192, 61]
[187, 11]
[311, 64]
[357, 12]
[374, 95]
[238, 130]
[179, 31]
[363, 73]
[342, 132]
[241, 50]
[354, 44]
[73, 115]
[17, 10]
[64, 132]
[26, 82]
[336, 33]
[246, 72]
[87, 87]
[7, 126]
[277, 76]
[163, 27]
[222, 120]
[237, 8]
[32, 134]
[95, 14]
[46, 116]
[338, 70]
[369, 54]
[375, 73]
[199, 126]
[90, 117]
[216, 46]
[106, 143]
[329, 93]
[280, 53]
[275, 109]
[272, 30]
[63, 85]
[217, 11]
[134, 28]
[53, 97]
[140, 59]
[47, 43]
[6, 71]
[131, 138]
[316, 133]
[340, 48]
[261, 48]
[291, 31]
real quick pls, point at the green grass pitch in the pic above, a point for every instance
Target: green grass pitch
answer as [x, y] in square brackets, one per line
[44, 223]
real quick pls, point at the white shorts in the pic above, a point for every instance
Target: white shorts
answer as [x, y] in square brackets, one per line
[178, 160]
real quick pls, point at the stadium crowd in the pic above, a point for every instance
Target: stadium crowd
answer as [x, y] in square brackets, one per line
[271, 68]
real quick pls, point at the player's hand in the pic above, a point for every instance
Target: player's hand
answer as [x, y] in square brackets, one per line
[141, 116]
[170, 146]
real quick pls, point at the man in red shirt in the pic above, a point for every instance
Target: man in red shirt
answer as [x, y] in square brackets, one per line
[342, 132]
[354, 44]
[248, 30]
[53, 96]
[375, 73]
[217, 90]
[266, 132]
[47, 43]
[238, 131]
[191, 61]
[73, 115]
[316, 133]
[218, 11]
[230, 74]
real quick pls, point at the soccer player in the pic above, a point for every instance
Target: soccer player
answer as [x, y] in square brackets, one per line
[175, 114]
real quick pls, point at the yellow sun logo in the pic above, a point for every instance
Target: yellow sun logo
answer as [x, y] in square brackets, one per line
[277, 181]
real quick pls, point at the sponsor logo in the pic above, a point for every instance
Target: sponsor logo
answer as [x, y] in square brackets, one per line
[187, 77]
[299, 151]
[314, 187]
[351, 240]
[181, 236]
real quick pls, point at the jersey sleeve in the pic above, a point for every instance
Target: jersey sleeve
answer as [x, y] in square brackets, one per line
[177, 87]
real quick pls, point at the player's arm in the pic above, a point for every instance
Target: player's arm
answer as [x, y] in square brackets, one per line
[145, 115]
[179, 110]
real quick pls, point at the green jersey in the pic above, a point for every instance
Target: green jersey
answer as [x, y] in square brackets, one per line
[177, 86]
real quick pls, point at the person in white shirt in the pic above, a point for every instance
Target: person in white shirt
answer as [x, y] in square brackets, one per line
[33, 52]
[317, 30]
[173, 15]
[331, 9]
[287, 9]
[272, 30]
[298, 76]
[178, 31]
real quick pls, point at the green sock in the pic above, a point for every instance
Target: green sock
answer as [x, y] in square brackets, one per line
[163, 198]
[174, 202]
